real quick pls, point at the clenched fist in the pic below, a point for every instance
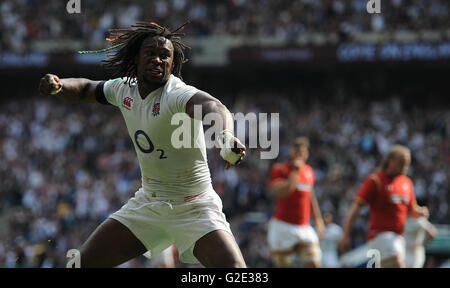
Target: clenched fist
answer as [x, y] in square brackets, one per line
[50, 84]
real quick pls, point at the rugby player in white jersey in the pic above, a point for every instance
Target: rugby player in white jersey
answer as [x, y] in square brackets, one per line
[176, 203]
[418, 232]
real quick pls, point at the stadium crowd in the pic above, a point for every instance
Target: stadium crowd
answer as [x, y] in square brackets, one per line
[23, 21]
[64, 168]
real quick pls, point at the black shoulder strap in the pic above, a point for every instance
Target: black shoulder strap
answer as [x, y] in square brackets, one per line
[100, 95]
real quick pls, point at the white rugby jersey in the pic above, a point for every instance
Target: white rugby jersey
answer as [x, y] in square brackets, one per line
[166, 171]
[414, 232]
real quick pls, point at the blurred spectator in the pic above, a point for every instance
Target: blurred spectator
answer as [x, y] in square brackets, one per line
[22, 22]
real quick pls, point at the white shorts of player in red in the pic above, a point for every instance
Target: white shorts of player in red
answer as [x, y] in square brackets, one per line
[159, 223]
[283, 236]
[389, 244]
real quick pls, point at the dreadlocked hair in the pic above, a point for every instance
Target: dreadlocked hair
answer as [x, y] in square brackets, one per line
[128, 42]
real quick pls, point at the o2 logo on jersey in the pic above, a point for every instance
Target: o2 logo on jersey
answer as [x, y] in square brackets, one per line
[396, 199]
[144, 144]
[127, 102]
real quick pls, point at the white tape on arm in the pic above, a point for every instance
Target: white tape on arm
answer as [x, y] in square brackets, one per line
[226, 141]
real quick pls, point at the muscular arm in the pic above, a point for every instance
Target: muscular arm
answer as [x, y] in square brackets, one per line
[209, 104]
[73, 90]
[233, 153]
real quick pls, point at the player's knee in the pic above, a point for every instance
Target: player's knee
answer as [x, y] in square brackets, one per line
[313, 264]
[283, 261]
[310, 255]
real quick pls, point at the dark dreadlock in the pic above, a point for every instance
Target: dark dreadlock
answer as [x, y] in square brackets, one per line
[128, 43]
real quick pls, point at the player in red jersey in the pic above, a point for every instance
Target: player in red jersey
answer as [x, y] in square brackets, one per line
[390, 196]
[289, 230]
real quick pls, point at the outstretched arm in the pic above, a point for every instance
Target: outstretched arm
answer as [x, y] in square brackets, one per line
[209, 104]
[73, 90]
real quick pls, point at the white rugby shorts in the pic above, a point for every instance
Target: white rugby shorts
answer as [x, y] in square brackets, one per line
[159, 223]
[389, 244]
[283, 236]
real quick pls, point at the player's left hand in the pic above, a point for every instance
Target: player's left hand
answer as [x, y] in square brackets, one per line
[424, 212]
[419, 211]
[231, 148]
[239, 151]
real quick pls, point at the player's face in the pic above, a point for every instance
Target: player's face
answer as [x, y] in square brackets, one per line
[294, 153]
[299, 153]
[400, 163]
[155, 60]
[304, 153]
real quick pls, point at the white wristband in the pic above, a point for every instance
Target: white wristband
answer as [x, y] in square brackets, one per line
[226, 141]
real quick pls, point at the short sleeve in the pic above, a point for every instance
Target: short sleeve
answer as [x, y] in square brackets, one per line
[367, 191]
[111, 90]
[179, 98]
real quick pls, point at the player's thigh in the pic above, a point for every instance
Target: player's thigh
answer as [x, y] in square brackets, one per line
[283, 259]
[310, 254]
[110, 245]
[218, 249]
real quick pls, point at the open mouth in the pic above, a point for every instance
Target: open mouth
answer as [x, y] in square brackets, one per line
[156, 72]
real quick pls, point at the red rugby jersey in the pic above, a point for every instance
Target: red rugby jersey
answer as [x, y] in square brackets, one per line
[296, 207]
[389, 202]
